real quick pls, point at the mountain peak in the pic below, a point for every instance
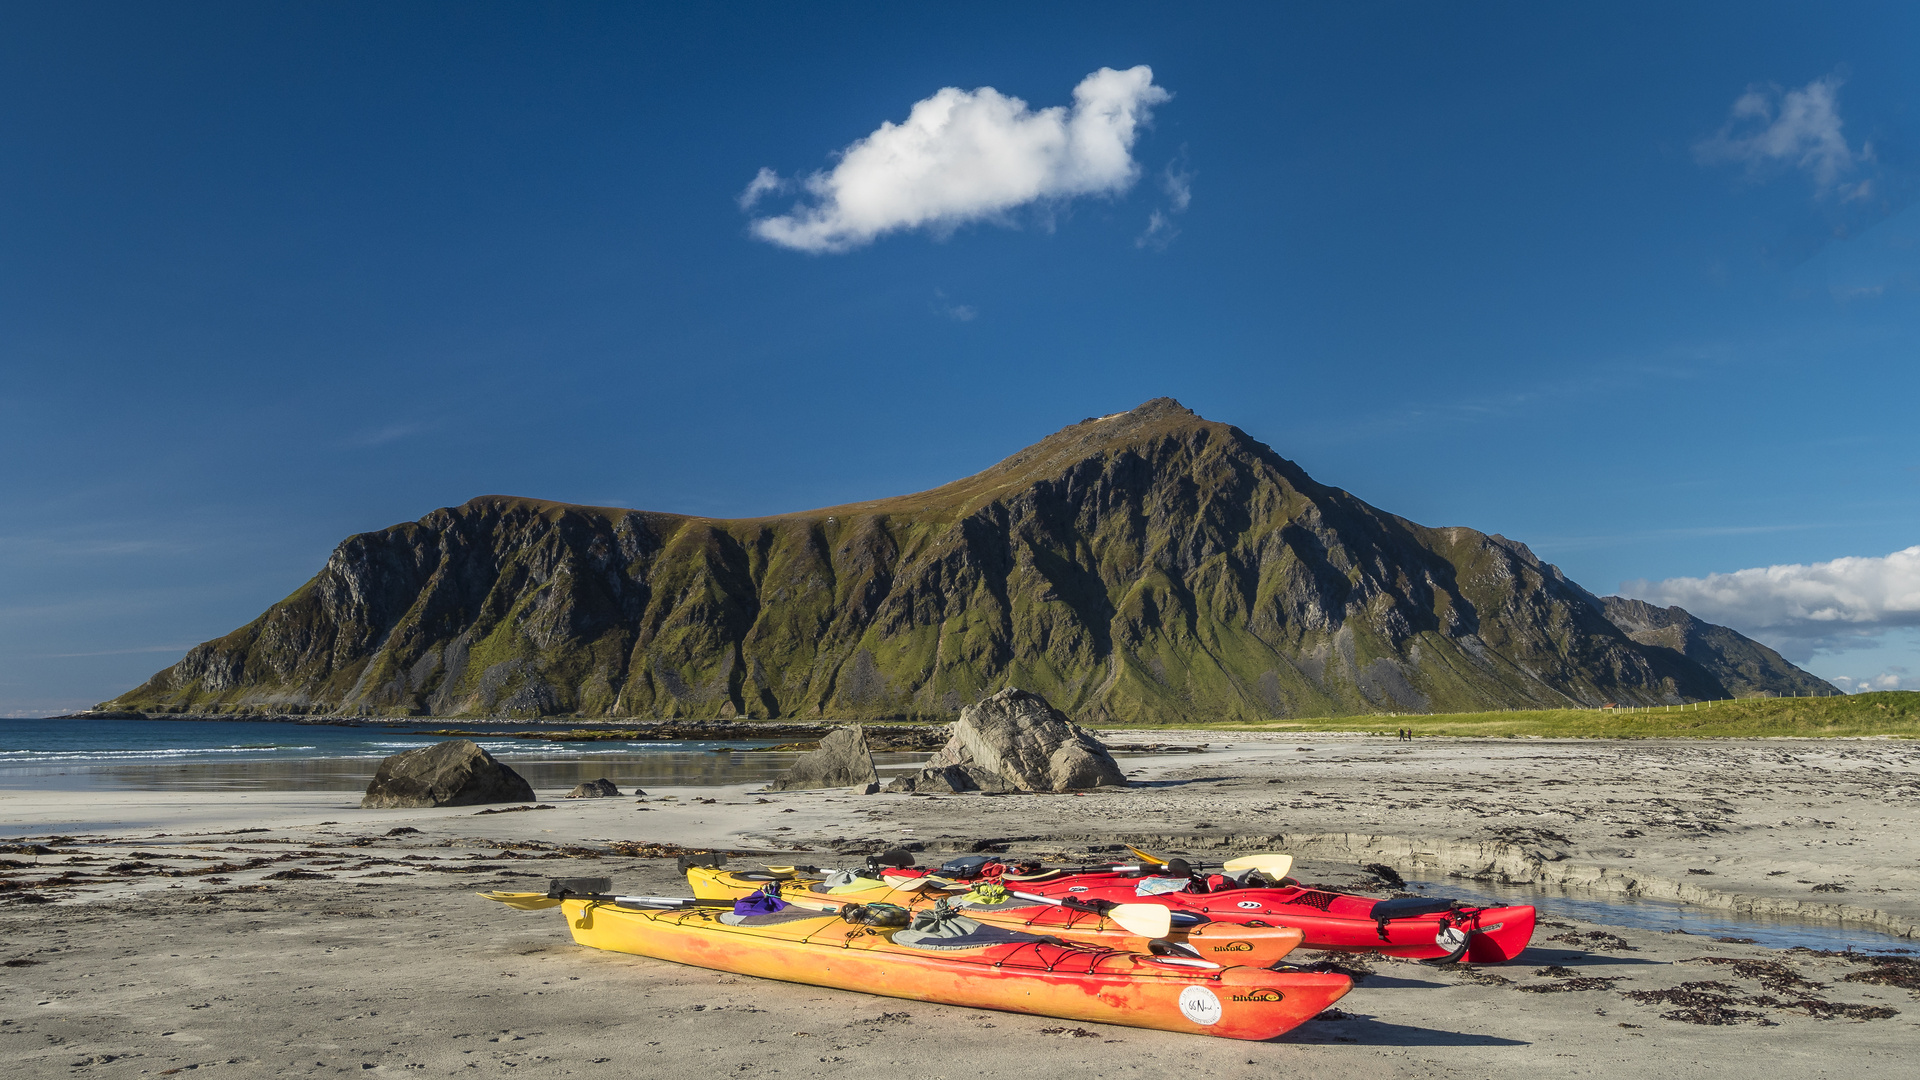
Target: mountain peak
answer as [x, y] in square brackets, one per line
[1161, 416]
[1141, 431]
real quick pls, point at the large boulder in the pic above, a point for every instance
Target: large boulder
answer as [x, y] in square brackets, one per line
[452, 773]
[841, 761]
[1015, 741]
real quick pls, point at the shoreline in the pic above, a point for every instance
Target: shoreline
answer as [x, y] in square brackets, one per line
[299, 935]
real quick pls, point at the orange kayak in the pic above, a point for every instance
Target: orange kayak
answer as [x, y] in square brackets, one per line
[965, 963]
[1221, 942]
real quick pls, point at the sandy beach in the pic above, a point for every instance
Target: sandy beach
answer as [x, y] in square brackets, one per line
[322, 940]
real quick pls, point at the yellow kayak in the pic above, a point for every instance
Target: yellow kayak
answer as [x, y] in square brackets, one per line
[955, 960]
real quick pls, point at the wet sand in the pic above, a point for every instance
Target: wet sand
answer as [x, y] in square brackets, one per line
[324, 945]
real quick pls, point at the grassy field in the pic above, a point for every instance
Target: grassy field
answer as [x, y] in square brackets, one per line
[1894, 713]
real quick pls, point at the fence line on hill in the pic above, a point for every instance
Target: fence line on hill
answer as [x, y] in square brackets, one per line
[1684, 706]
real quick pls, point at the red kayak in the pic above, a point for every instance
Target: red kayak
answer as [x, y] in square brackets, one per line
[1415, 927]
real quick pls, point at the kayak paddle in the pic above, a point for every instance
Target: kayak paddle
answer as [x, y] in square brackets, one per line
[1273, 863]
[1146, 920]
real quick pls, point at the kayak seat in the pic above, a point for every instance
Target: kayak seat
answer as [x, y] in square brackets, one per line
[844, 881]
[1407, 906]
[772, 918]
[1007, 904]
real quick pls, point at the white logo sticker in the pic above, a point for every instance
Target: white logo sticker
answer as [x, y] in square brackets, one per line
[1076, 888]
[1198, 1004]
[1450, 938]
[1251, 905]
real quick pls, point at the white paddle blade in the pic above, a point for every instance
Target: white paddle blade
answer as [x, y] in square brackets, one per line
[1273, 864]
[906, 884]
[1146, 920]
[523, 901]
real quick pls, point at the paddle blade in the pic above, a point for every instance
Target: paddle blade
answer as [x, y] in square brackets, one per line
[1146, 856]
[906, 884]
[524, 901]
[1146, 920]
[1272, 863]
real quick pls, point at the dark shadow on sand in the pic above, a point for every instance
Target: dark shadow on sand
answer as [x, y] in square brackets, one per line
[1366, 1031]
[1182, 783]
[1574, 958]
[1377, 981]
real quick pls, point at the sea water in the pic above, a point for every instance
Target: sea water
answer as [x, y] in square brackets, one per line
[242, 755]
[1668, 916]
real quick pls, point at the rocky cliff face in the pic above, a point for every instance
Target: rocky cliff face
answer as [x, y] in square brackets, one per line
[1149, 566]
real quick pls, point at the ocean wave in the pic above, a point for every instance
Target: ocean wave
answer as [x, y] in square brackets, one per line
[510, 748]
[41, 757]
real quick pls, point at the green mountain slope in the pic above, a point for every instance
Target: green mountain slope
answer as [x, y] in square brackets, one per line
[1150, 566]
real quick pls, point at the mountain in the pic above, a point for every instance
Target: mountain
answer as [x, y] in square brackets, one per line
[1148, 566]
[1744, 666]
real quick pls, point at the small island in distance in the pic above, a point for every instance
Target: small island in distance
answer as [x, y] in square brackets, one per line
[1146, 567]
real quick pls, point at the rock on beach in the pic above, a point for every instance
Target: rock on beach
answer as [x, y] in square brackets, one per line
[452, 773]
[602, 788]
[841, 761]
[1015, 741]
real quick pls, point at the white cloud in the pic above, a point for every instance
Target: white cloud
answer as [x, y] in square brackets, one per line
[765, 182]
[956, 312]
[1892, 679]
[1800, 608]
[964, 156]
[1160, 232]
[1178, 184]
[1799, 128]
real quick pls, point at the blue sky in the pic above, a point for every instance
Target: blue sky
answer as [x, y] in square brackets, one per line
[1636, 286]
